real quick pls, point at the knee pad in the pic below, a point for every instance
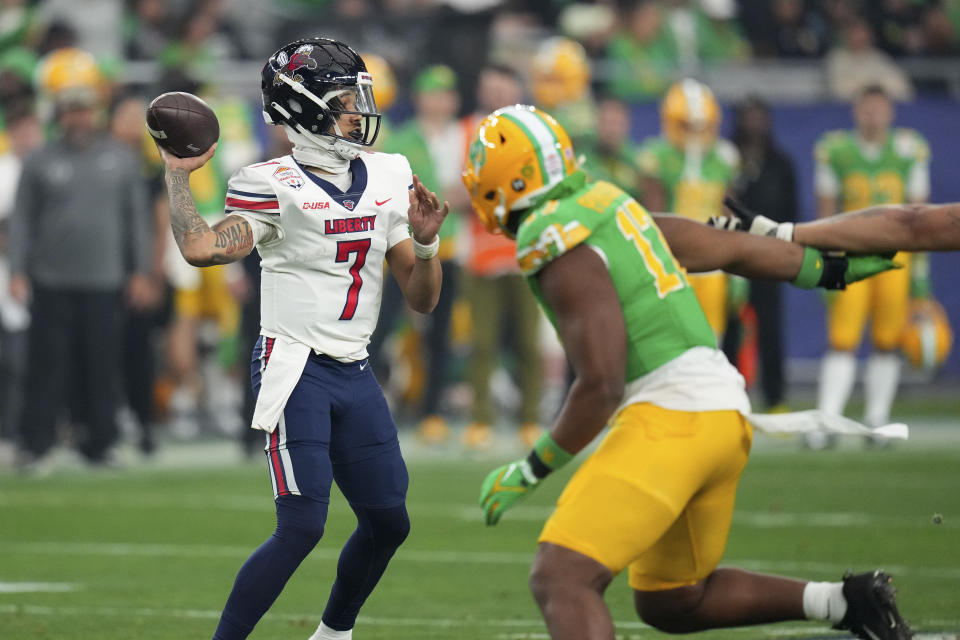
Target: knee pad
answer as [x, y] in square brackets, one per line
[387, 527]
[300, 520]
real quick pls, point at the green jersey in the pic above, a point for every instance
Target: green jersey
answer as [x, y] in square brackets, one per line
[862, 178]
[695, 183]
[662, 316]
[620, 166]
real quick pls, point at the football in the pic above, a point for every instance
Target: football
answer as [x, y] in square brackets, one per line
[182, 124]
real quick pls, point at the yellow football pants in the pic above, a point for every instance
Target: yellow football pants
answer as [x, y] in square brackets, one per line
[656, 496]
[883, 298]
[212, 299]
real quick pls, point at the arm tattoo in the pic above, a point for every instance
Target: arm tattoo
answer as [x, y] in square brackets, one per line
[185, 221]
[234, 236]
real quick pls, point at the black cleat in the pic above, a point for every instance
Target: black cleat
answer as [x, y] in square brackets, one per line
[872, 609]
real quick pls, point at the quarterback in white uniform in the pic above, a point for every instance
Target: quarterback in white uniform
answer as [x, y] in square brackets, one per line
[323, 219]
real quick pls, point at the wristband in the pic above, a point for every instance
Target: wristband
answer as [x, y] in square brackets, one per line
[426, 251]
[547, 456]
[820, 269]
[785, 231]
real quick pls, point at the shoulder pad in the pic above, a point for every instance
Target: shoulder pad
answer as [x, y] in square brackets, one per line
[393, 163]
[250, 189]
[826, 144]
[908, 143]
[648, 156]
[560, 225]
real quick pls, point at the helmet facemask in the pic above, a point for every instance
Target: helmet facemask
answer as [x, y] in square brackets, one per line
[345, 112]
[321, 89]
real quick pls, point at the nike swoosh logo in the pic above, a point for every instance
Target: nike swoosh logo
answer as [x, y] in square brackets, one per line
[499, 487]
[160, 135]
[364, 366]
[380, 203]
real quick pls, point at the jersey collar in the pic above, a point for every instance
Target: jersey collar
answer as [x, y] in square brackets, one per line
[359, 171]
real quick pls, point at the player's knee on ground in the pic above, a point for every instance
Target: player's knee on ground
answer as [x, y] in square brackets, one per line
[300, 520]
[670, 611]
[388, 526]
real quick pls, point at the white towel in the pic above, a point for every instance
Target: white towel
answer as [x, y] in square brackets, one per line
[287, 360]
[816, 420]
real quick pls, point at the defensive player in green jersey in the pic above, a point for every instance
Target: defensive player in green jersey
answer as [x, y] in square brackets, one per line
[611, 155]
[872, 164]
[657, 494]
[688, 170]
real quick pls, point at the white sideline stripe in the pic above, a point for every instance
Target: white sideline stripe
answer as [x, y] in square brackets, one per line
[211, 614]
[36, 587]
[411, 555]
[464, 512]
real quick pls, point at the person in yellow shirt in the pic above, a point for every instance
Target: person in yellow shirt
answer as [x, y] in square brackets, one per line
[687, 170]
[869, 165]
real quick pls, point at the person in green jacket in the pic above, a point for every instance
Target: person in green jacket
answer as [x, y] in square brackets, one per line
[434, 143]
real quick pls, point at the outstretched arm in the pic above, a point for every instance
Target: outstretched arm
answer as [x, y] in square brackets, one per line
[699, 248]
[229, 240]
[907, 227]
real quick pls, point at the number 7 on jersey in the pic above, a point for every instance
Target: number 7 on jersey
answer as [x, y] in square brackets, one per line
[344, 249]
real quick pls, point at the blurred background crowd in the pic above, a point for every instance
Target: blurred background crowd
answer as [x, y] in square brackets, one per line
[108, 335]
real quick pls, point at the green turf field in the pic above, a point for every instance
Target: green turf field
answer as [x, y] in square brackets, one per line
[151, 552]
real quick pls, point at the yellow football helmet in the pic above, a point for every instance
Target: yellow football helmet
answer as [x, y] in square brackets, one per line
[517, 154]
[69, 71]
[384, 80]
[559, 72]
[927, 339]
[689, 113]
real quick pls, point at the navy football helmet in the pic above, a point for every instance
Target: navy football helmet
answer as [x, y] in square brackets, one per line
[320, 87]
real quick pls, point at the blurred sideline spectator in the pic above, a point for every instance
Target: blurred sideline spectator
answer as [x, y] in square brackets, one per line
[641, 59]
[203, 354]
[704, 33]
[798, 32]
[142, 324]
[687, 170]
[498, 295]
[434, 143]
[857, 63]
[24, 134]
[79, 240]
[612, 155]
[19, 26]
[871, 165]
[560, 84]
[767, 182]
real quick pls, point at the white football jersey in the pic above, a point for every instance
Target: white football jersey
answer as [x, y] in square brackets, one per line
[322, 272]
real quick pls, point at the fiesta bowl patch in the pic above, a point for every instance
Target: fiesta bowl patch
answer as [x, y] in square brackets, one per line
[289, 176]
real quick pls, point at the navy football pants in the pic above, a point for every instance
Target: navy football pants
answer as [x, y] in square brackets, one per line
[336, 426]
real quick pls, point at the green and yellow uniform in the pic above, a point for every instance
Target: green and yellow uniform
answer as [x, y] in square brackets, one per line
[695, 184]
[621, 166]
[890, 173]
[682, 415]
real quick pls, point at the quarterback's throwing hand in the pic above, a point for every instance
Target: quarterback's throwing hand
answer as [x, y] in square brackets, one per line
[425, 212]
[172, 162]
[504, 487]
